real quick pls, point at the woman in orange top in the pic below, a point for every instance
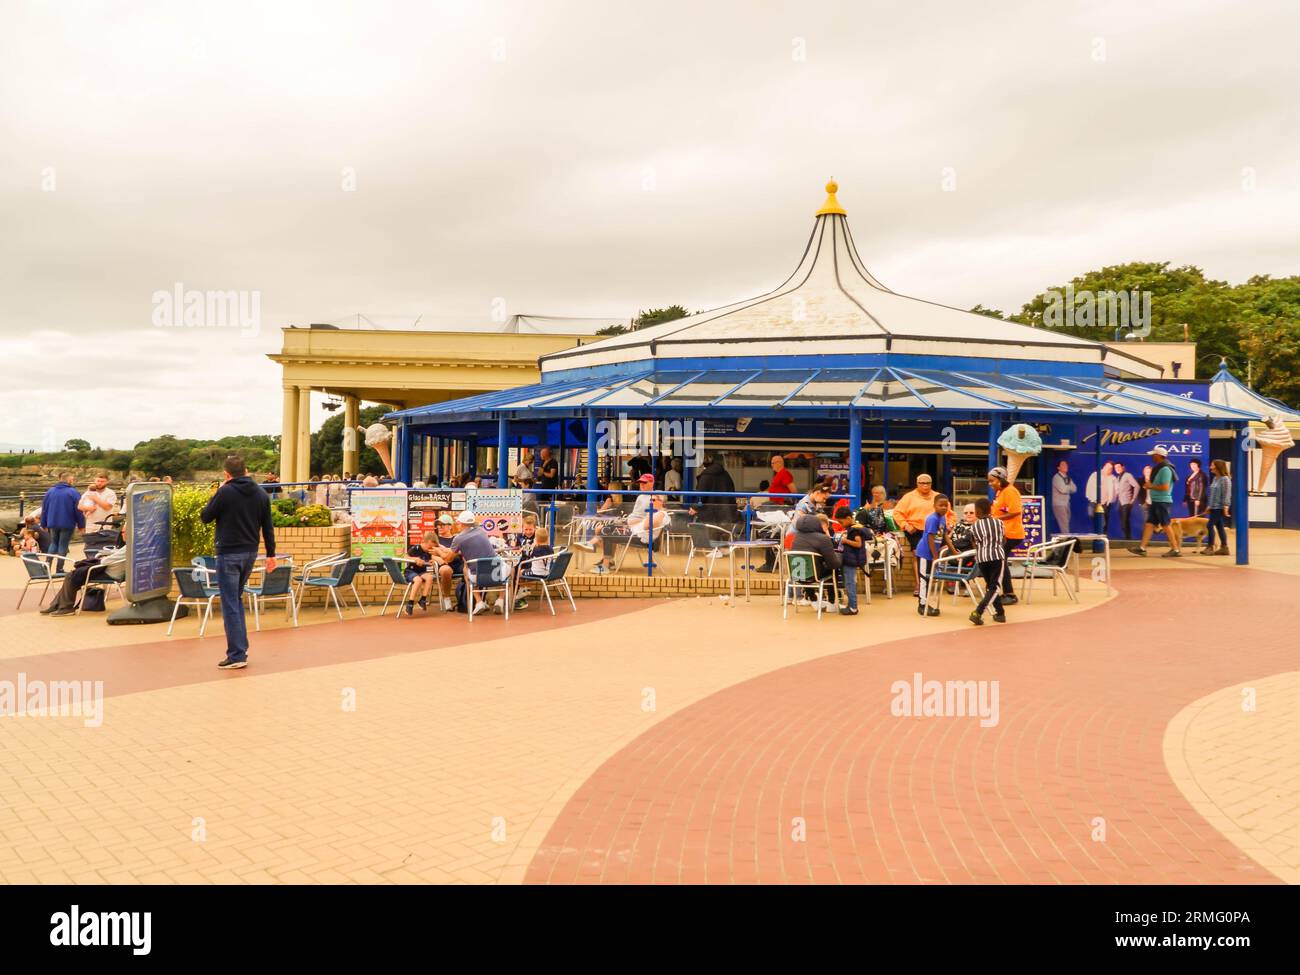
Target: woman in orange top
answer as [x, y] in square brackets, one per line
[1008, 509]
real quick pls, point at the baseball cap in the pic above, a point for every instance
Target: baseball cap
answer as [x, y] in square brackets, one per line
[446, 520]
[1157, 452]
[1000, 473]
[646, 479]
[466, 517]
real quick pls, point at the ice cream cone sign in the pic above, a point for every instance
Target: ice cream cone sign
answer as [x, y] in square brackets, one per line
[379, 436]
[1273, 439]
[1019, 442]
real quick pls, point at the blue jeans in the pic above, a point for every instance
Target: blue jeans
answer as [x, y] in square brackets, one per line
[60, 539]
[849, 574]
[232, 575]
[1216, 524]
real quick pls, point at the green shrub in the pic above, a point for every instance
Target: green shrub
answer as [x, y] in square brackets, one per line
[190, 536]
[307, 516]
[284, 506]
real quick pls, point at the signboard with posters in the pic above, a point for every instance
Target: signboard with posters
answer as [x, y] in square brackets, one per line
[423, 506]
[1035, 526]
[148, 541]
[498, 511]
[378, 524]
[836, 471]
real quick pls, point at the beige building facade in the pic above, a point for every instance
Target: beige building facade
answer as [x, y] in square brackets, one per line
[397, 368]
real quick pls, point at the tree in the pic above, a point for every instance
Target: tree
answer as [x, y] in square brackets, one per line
[80, 446]
[163, 456]
[644, 319]
[327, 445]
[1270, 335]
[1178, 296]
[990, 312]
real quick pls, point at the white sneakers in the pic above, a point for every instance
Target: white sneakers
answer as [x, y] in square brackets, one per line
[447, 604]
[499, 607]
[479, 607]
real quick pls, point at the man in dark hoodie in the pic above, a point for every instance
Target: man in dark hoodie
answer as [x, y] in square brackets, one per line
[811, 535]
[242, 511]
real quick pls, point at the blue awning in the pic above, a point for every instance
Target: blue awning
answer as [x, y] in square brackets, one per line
[886, 390]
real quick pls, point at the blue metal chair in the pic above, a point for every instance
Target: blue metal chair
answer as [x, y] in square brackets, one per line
[277, 584]
[554, 576]
[959, 569]
[193, 593]
[483, 576]
[344, 573]
[43, 569]
[396, 577]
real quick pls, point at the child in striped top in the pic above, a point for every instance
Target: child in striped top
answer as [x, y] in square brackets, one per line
[990, 553]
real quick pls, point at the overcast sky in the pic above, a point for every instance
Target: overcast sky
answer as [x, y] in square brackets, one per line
[410, 159]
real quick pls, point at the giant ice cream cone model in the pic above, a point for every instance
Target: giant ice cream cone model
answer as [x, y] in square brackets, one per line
[1020, 442]
[378, 436]
[1273, 438]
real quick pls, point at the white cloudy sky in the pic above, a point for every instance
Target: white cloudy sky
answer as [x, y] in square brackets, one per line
[590, 159]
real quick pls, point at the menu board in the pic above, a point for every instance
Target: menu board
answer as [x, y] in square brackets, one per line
[148, 541]
[1035, 527]
[378, 524]
[423, 506]
[498, 511]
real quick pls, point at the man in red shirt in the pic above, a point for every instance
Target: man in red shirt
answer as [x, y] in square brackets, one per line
[782, 480]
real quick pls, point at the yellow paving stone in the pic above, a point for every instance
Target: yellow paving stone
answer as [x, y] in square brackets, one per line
[1240, 769]
[406, 788]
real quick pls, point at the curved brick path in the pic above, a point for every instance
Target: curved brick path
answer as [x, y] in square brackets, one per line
[711, 795]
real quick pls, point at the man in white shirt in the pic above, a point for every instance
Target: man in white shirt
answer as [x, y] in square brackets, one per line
[98, 504]
[524, 468]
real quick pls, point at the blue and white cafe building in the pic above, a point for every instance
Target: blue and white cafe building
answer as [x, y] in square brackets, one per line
[841, 374]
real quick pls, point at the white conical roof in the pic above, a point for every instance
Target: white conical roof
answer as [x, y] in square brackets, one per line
[832, 305]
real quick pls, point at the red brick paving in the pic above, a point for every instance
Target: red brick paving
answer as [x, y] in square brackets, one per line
[709, 795]
[178, 661]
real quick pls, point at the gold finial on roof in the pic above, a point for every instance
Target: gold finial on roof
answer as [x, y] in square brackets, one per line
[831, 205]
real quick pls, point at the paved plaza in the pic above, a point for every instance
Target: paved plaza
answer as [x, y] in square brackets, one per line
[1147, 737]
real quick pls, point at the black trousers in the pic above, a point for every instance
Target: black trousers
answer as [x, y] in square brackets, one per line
[991, 573]
[1008, 545]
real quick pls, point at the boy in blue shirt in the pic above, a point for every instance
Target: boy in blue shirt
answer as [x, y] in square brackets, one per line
[933, 540]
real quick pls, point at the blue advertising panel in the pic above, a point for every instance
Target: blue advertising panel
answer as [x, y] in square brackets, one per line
[148, 541]
[1124, 460]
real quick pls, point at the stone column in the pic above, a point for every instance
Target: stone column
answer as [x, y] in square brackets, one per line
[302, 469]
[289, 434]
[351, 441]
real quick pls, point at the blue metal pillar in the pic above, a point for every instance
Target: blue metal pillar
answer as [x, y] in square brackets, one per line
[592, 462]
[1099, 507]
[441, 449]
[995, 431]
[472, 460]
[855, 459]
[403, 448]
[503, 452]
[884, 456]
[1241, 494]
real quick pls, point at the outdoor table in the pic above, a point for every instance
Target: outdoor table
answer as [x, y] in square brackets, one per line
[748, 548]
[1091, 537]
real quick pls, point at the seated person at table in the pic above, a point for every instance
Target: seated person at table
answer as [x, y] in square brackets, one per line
[811, 534]
[31, 523]
[526, 538]
[417, 572]
[65, 603]
[27, 541]
[535, 565]
[470, 543]
[637, 524]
